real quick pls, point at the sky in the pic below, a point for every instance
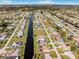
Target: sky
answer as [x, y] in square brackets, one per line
[67, 2]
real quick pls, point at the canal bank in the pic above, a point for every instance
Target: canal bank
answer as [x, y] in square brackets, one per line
[29, 49]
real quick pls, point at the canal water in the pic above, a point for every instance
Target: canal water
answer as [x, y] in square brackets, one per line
[29, 49]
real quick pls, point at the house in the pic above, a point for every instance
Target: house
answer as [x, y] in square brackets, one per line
[65, 48]
[41, 40]
[13, 24]
[58, 25]
[20, 34]
[47, 56]
[76, 38]
[11, 54]
[61, 41]
[10, 27]
[2, 36]
[45, 48]
[77, 45]
[15, 44]
[12, 57]
[69, 54]
[1, 28]
[56, 35]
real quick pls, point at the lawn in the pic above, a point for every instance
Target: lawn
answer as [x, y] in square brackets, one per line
[53, 54]
[47, 40]
[60, 50]
[64, 57]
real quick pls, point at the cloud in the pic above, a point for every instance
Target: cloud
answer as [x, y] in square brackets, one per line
[69, 3]
[5, 1]
[38, 2]
[46, 2]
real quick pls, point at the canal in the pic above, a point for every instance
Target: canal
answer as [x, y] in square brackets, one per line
[29, 49]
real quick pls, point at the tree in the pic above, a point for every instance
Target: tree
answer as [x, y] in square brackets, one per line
[3, 24]
[77, 51]
[73, 47]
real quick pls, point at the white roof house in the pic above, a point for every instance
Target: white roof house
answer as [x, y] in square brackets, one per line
[11, 54]
[1, 28]
[69, 54]
[41, 40]
[20, 33]
[14, 44]
[10, 27]
[12, 57]
[47, 56]
[2, 36]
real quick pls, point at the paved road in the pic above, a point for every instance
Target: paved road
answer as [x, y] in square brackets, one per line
[58, 55]
[55, 19]
[9, 40]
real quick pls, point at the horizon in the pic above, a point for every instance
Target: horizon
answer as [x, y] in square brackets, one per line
[39, 2]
